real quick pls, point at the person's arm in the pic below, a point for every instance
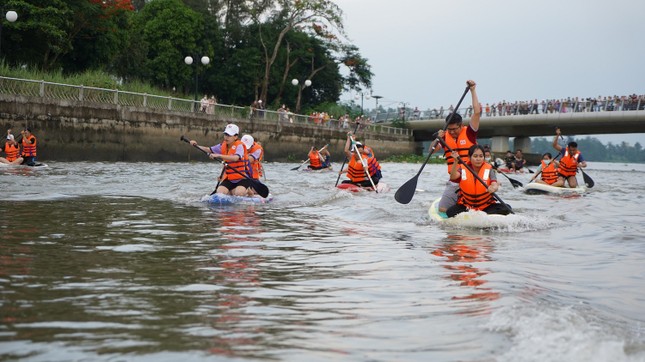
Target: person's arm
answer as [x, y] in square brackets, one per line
[556, 145]
[455, 170]
[348, 152]
[477, 110]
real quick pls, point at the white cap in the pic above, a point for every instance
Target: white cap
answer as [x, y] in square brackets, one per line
[231, 129]
[260, 101]
[10, 137]
[248, 140]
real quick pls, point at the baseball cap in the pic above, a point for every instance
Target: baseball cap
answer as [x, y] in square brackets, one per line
[358, 144]
[248, 140]
[231, 129]
[10, 137]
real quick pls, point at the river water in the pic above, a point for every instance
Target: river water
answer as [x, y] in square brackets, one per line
[122, 262]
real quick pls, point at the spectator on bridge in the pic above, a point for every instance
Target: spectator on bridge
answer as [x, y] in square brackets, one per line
[459, 138]
[416, 114]
[212, 102]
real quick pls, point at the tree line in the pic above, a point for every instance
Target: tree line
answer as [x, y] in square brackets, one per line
[593, 150]
[255, 47]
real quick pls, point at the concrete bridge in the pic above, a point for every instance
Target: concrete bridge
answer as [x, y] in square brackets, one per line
[500, 128]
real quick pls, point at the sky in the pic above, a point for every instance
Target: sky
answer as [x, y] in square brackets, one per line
[422, 51]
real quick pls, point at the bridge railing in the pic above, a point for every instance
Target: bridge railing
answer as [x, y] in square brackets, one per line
[51, 90]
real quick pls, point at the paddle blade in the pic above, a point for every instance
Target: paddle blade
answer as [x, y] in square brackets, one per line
[405, 193]
[515, 183]
[260, 188]
[296, 168]
[588, 180]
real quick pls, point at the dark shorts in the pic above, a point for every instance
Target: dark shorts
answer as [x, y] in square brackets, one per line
[231, 185]
[316, 168]
[365, 183]
[29, 160]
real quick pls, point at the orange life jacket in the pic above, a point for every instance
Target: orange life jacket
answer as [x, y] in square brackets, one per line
[256, 165]
[29, 149]
[549, 173]
[461, 145]
[472, 193]
[12, 151]
[356, 172]
[242, 166]
[314, 159]
[568, 164]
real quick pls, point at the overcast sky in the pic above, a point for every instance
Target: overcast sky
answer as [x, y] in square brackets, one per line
[423, 51]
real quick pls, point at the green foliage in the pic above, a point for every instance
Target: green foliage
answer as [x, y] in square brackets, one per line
[593, 150]
[411, 158]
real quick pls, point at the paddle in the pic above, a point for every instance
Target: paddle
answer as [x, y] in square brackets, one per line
[345, 161]
[365, 168]
[515, 183]
[219, 179]
[474, 174]
[307, 160]
[258, 186]
[405, 193]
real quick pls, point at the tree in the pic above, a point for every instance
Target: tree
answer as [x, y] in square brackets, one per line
[169, 31]
[321, 19]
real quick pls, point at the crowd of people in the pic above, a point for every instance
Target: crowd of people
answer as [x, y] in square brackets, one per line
[565, 105]
[20, 150]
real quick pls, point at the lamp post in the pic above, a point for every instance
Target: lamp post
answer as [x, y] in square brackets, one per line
[366, 96]
[189, 61]
[306, 84]
[376, 98]
[11, 16]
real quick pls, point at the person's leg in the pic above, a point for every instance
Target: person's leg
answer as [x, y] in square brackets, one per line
[560, 182]
[449, 196]
[497, 209]
[573, 182]
[456, 209]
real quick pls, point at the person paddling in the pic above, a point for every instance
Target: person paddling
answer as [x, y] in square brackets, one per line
[473, 194]
[361, 164]
[548, 170]
[256, 154]
[318, 159]
[460, 138]
[11, 149]
[233, 152]
[570, 161]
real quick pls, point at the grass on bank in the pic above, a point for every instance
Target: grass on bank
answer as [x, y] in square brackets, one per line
[89, 78]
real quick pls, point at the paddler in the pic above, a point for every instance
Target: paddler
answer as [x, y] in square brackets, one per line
[571, 159]
[459, 138]
[473, 194]
[361, 159]
[237, 168]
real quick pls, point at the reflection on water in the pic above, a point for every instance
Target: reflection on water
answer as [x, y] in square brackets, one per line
[463, 257]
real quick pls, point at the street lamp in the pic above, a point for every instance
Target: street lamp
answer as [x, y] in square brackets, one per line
[376, 98]
[366, 96]
[11, 16]
[306, 84]
[189, 61]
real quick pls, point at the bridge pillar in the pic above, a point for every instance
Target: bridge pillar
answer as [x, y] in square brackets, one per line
[499, 145]
[523, 143]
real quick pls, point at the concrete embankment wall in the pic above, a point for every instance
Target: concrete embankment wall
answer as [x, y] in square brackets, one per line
[79, 131]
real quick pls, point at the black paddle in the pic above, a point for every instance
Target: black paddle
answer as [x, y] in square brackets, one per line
[405, 193]
[474, 174]
[219, 179]
[345, 161]
[258, 186]
[515, 183]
